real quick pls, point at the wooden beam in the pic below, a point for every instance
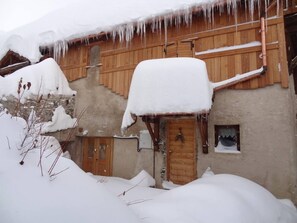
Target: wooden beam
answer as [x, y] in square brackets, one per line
[11, 68]
[202, 122]
[154, 132]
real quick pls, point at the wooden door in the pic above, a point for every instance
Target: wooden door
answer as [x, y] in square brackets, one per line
[181, 151]
[97, 155]
[103, 161]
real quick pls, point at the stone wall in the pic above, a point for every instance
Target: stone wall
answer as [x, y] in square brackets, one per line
[44, 107]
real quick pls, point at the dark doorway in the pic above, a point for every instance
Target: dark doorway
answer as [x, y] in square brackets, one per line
[291, 41]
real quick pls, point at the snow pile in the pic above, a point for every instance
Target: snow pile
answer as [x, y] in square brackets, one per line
[220, 198]
[127, 190]
[168, 185]
[168, 86]
[208, 173]
[237, 77]
[117, 17]
[228, 48]
[60, 121]
[45, 78]
[68, 196]
[143, 179]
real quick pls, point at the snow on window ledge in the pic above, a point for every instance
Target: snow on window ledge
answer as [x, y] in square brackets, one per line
[226, 149]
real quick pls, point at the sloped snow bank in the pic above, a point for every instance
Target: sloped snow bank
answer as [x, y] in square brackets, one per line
[60, 121]
[220, 198]
[71, 196]
[143, 179]
[130, 191]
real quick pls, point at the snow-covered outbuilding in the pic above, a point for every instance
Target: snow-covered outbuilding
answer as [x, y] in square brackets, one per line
[248, 48]
[165, 88]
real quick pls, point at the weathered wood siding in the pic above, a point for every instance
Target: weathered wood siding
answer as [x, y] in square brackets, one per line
[290, 6]
[118, 60]
[74, 64]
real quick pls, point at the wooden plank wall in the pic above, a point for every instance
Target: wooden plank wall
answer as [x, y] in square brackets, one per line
[118, 60]
[74, 64]
[118, 66]
[226, 64]
[290, 6]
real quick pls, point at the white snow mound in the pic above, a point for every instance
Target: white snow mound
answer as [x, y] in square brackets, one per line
[60, 121]
[168, 86]
[143, 179]
[71, 196]
[221, 198]
[45, 78]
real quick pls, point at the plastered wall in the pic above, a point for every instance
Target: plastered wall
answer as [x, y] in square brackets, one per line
[267, 133]
[267, 138]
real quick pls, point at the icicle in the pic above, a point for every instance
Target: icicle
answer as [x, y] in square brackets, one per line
[286, 5]
[141, 28]
[165, 29]
[129, 32]
[154, 25]
[60, 49]
[188, 16]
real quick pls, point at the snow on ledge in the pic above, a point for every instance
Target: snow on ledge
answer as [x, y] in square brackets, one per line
[227, 48]
[168, 86]
[238, 77]
[60, 121]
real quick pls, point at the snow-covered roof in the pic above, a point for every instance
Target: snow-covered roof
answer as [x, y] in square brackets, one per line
[168, 86]
[94, 17]
[45, 78]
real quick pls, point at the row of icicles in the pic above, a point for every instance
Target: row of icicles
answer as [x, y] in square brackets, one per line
[126, 32]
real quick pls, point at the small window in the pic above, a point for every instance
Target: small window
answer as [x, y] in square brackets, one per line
[227, 139]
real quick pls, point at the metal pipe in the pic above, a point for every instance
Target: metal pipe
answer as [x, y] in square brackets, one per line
[129, 137]
[263, 43]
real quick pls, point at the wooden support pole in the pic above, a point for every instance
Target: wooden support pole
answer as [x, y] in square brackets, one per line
[202, 121]
[154, 132]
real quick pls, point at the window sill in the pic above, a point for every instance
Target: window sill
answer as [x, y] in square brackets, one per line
[226, 151]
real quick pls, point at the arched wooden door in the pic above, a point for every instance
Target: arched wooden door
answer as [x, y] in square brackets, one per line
[181, 150]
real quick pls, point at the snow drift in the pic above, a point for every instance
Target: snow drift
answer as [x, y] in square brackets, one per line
[71, 196]
[220, 198]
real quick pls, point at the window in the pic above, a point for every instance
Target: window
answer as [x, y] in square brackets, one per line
[227, 139]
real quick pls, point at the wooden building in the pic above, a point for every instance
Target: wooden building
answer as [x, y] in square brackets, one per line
[252, 125]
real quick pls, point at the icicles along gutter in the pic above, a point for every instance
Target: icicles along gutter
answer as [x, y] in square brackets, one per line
[126, 31]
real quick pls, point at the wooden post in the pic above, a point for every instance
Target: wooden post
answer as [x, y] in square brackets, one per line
[154, 132]
[202, 121]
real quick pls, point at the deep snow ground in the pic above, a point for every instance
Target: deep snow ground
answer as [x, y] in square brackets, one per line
[69, 194]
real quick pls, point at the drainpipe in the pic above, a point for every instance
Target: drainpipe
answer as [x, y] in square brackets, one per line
[263, 43]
